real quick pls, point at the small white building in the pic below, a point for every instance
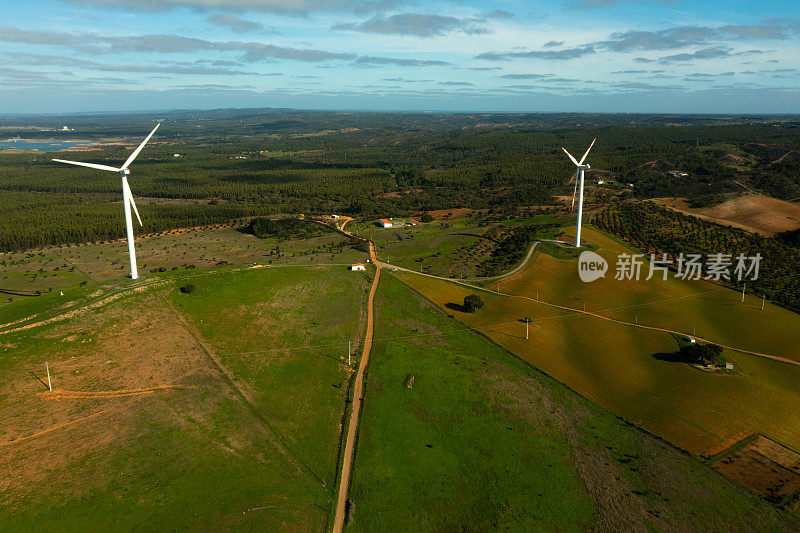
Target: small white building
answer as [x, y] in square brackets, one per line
[728, 366]
[385, 223]
[335, 217]
[176, 155]
[358, 266]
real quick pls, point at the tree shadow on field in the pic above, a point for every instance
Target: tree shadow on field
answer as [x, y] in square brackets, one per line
[672, 357]
[456, 307]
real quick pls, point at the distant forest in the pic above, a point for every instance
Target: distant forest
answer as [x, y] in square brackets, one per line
[236, 163]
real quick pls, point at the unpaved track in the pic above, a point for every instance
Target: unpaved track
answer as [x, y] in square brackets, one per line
[358, 400]
[55, 427]
[61, 394]
[358, 387]
[522, 264]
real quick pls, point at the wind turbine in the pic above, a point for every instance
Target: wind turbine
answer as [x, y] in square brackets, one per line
[579, 186]
[127, 196]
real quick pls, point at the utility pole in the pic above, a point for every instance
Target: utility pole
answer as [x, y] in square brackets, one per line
[527, 321]
[49, 385]
[763, 297]
[694, 329]
[349, 351]
[743, 288]
[537, 296]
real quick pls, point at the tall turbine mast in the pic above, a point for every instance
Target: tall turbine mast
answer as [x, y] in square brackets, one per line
[580, 168]
[127, 196]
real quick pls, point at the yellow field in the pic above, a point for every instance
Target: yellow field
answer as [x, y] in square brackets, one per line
[618, 366]
[752, 212]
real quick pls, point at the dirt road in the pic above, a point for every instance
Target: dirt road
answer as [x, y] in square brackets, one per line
[358, 400]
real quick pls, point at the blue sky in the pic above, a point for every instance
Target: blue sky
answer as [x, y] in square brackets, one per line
[730, 56]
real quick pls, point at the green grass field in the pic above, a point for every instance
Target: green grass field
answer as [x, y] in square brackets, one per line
[241, 435]
[619, 366]
[285, 339]
[482, 441]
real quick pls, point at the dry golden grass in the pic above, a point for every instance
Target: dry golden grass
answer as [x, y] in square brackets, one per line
[751, 212]
[620, 367]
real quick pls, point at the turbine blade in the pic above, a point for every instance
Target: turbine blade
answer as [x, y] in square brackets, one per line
[587, 152]
[129, 197]
[90, 165]
[139, 149]
[570, 156]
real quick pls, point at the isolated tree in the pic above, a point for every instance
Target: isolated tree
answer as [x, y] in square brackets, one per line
[472, 303]
[702, 353]
[188, 288]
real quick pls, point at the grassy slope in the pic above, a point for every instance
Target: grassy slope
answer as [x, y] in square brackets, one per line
[202, 456]
[483, 441]
[717, 313]
[285, 339]
[615, 366]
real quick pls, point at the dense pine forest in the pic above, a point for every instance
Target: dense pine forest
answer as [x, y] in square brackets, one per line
[232, 164]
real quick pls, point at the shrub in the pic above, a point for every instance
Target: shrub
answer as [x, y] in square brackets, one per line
[188, 288]
[472, 303]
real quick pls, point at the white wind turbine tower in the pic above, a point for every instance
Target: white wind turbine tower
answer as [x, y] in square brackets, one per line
[579, 187]
[127, 196]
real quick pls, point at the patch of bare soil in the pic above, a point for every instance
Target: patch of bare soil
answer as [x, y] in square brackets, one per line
[398, 194]
[113, 388]
[765, 467]
[61, 394]
[752, 212]
[450, 214]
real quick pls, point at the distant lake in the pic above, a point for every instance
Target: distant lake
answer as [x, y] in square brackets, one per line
[42, 146]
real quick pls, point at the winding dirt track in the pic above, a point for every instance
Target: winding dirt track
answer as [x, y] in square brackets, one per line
[61, 394]
[53, 428]
[358, 400]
